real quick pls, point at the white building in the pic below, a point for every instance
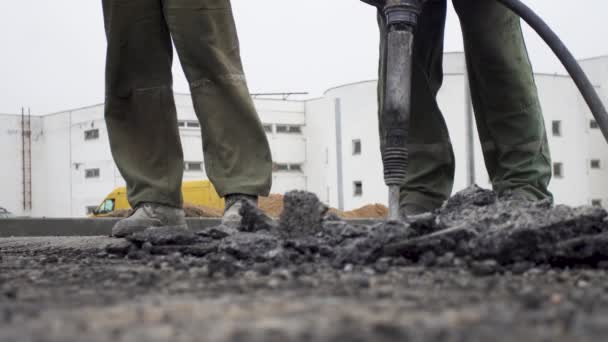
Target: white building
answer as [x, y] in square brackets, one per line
[62, 165]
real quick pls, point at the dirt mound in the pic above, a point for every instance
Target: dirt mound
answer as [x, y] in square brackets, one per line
[272, 205]
[372, 211]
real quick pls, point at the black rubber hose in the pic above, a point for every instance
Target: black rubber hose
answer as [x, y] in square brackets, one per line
[561, 51]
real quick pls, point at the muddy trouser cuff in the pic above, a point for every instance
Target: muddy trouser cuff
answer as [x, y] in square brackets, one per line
[524, 170]
[430, 175]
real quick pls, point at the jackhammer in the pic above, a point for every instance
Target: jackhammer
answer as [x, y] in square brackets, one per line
[401, 22]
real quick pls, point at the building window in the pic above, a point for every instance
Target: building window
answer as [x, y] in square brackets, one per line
[356, 147]
[596, 202]
[91, 134]
[358, 188]
[193, 166]
[289, 129]
[188, 124]
[558, 170]
[596, 164]
[267, 128]
[282, 167]
[91, 173]
[193, 124]
[593, 124]
[557, 128]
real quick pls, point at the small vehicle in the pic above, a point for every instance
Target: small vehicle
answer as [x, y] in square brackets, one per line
[194, 192]
[5, 213]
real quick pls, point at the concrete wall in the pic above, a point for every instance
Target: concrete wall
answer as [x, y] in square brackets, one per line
[321, 166]
[287, 148]
[359, 122]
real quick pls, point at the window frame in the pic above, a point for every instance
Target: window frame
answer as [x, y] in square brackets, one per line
[96, 173]
[593, 124]
[357, 188]
[558, 166]
[288, 129]
[556, 131]
[268, 128]
[295, 167]
[89, 137]
[357, 147]
[198, 168]
[192, 124]
[280, 167]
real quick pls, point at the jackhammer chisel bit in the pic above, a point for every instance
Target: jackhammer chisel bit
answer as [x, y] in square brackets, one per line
[401, 20]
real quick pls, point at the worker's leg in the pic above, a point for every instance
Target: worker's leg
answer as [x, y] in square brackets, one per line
[505, 98]
[237, 155]
[140, 110]
[430, 175]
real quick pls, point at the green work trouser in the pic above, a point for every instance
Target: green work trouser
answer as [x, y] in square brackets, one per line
[140, 110]
[507, 109]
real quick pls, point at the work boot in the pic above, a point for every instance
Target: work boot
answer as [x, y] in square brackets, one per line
[410, 209]
[148, 215]
[234, 203]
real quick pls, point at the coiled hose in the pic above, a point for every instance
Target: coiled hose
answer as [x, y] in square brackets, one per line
[561, 51]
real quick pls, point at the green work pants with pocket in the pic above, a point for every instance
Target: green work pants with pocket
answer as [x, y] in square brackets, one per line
[140, 109]
[505, 99]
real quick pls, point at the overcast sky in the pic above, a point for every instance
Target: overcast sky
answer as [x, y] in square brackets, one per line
[53, 52]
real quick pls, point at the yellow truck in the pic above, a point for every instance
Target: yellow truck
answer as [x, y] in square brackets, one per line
[194, 192]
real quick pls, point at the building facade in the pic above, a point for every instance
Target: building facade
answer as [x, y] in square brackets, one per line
[60, 165]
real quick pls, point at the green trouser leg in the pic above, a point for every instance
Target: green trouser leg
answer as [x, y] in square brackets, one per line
[430, 174]
[505, 99]
[140, 109]
[237, 154]
[507, 109]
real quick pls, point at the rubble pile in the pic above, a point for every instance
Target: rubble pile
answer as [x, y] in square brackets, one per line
[475, 228]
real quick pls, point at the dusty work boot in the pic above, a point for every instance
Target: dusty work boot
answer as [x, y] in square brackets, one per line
[149, 215]
[411, 210]
[234, 203]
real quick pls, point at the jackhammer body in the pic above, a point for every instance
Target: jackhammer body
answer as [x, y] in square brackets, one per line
[401, 21]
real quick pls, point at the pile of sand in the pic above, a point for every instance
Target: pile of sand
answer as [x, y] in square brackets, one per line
[273, 206]
[367, 211]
